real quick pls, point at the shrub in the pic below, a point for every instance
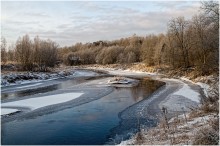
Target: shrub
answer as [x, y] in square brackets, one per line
[206, 136]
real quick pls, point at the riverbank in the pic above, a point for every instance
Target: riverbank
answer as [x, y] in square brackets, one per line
[189, 76]
[176, 95]
[181, 129]
[179, 96]
[185, 86]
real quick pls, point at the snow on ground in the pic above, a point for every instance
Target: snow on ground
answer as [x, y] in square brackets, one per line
[180, 132]
[186, 79]
[187, 92]
[30, 85]
[35, 103]
[181, 99]
[86, 73]
[25, 78]
[5, 111]
[204, 86]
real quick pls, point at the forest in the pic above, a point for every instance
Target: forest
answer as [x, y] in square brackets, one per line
[187, 43]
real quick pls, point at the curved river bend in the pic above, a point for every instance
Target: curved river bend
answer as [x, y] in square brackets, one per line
[94, 122]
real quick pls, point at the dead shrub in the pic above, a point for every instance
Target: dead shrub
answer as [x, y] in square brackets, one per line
[214, 123]
[211, 103]
[195, 113]
[209, 108]
[206, 136]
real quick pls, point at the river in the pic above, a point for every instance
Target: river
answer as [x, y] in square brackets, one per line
[82, 122]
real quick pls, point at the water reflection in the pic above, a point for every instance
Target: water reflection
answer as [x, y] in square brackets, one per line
[145, 88]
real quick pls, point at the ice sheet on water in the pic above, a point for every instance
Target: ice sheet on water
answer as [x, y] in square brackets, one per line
[39, 102]
[6, 111]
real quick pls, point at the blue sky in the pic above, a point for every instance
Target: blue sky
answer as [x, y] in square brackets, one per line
[87, 21]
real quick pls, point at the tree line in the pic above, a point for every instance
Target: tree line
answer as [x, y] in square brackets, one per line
[33, 55]
[187, 43]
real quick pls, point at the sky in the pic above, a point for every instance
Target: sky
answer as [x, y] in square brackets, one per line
[69, 22]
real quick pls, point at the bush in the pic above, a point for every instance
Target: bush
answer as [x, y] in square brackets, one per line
[206, 136]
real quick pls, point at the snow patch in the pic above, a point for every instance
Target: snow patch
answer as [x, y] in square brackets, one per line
[6, 111]
[39, 102]
[185, 91]
[188, 93]
[185, 79]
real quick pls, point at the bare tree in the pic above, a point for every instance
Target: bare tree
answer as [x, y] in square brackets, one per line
[211, 9]
[199, 37]
[131, 57]
[211, 12]
[37, 51]
[24, 52]
[48, 54]
[178, 28]
[148, 49]
[3, 50]
[11, 53]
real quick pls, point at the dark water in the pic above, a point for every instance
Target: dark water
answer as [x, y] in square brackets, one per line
[28, 92]
[91, 123]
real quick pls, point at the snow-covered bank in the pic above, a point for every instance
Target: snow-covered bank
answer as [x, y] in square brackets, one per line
[30, 77]
[121, 72]
[180, 99]
[186, 91]
[205, 82]
[186, 96]
[39, 102]
[183, 130]
[34, 77]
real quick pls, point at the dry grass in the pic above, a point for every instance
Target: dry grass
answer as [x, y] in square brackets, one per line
[200, 128]
[206, 136]
[196, 112]
[211, 103]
